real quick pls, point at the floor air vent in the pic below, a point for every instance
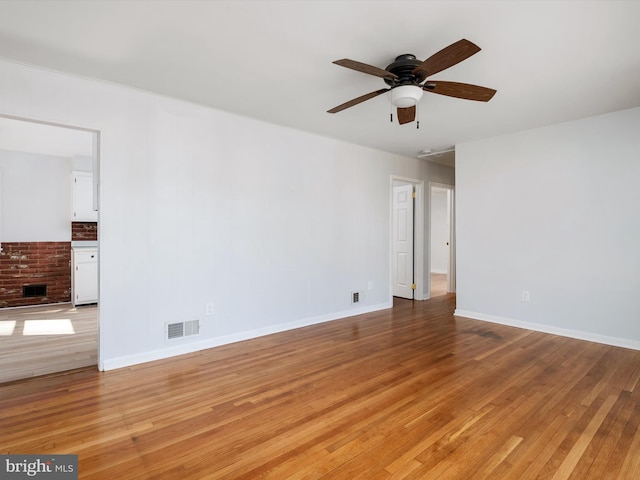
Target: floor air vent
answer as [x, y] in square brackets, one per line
[183, 329]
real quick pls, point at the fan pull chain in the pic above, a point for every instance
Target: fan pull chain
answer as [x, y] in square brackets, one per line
[418, 116]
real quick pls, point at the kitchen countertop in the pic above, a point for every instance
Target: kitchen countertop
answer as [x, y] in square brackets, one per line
[84, 244]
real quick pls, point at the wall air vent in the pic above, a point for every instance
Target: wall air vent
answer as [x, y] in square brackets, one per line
[175, 330]
[355, 297]
[182, 329]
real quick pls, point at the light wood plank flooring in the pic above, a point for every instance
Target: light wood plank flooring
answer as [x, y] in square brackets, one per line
[407, 393]
[438, 284]
[46, 339]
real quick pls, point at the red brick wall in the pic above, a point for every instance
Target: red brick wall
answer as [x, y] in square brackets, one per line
[84, 231]
[35, 263]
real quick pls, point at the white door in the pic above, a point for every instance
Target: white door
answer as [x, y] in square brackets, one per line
[402, 263]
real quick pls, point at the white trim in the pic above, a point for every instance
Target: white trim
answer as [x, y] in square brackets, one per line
[47, 122]
[563, 332]
[439, 271]
[129, 360]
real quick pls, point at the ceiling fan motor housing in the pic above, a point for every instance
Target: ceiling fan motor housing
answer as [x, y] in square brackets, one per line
[404, 66]
[405, 89]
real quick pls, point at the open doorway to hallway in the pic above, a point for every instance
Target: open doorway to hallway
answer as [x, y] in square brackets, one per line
[442, 239]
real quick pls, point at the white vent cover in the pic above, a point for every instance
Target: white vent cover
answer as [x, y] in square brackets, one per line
[182, 329]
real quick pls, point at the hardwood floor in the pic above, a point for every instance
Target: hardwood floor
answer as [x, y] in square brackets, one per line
[438, 284]
[46, 339]
[407, 393]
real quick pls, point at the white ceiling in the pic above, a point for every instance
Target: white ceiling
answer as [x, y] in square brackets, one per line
[550, 61]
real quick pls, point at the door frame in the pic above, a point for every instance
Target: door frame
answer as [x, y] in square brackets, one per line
[451, 274]
[418, 234]
[96, 198]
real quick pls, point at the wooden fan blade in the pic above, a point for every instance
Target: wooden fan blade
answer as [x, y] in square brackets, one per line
[358, 100]
[406, 115]
[460, 90]
[364, 68]
[447, 57]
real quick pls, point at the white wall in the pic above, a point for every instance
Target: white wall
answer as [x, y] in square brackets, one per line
[82, 163]
[273, 226]
[36, 197]
[553, 211]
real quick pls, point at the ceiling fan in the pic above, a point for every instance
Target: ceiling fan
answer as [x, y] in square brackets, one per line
[406, 74]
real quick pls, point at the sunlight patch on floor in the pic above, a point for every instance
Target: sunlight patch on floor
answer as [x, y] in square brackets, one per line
[62, 326]
[7, 327]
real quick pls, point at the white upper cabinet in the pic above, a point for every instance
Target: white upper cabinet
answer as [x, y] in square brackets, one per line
[83, 198]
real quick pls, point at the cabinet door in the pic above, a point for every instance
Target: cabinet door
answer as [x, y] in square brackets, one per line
[85, 277]
[83, 198]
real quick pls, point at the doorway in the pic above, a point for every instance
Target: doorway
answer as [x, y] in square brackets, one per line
[441, 239]
[41, 330]
[407, 238]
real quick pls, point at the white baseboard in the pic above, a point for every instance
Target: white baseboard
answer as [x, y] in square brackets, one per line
[563, 332]
[174, 350]
[436, 270]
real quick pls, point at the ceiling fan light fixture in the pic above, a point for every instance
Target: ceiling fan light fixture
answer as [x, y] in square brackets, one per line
[405, 96]
[405, 75]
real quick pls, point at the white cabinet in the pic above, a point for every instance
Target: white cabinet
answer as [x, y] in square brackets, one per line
[83, 198]
[84, 276]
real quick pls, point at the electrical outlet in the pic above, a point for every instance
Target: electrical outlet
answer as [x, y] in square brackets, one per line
[209, 308]
[525, 296]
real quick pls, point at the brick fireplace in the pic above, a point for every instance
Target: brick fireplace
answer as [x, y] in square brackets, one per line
[34, 273]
